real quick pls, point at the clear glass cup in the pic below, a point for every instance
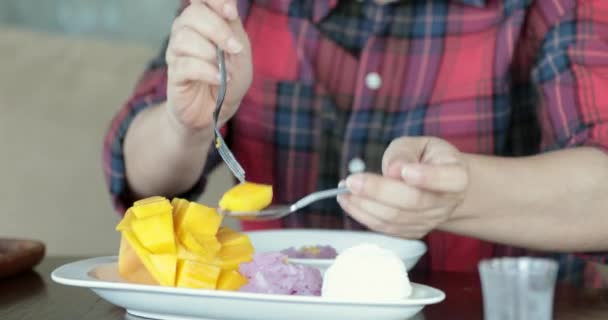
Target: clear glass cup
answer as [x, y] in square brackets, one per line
[518, 288]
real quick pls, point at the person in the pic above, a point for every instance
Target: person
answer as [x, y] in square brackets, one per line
[483, 123]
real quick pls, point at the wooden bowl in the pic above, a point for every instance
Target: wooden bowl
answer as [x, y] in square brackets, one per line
[18, 255]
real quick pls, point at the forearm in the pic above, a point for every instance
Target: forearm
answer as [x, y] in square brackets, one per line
[162, 158]
[555, 201]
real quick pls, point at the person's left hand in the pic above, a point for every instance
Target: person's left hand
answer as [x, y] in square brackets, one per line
[424, 180]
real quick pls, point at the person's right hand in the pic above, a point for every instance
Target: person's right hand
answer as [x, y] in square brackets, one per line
[193, 73]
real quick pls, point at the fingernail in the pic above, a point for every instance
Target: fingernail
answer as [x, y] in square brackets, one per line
[341, 184]
[340, 199]
[234, 46]
[411, 174]
[230, 11]
[354, 183]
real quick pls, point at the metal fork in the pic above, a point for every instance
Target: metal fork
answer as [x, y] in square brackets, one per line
[355, 165]
[234, 166]
[278, 212]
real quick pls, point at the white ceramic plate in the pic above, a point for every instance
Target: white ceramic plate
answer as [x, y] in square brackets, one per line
[156, 302]
[410, 251]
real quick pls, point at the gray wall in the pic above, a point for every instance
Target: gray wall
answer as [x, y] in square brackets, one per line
[58, 91]
[142, 21]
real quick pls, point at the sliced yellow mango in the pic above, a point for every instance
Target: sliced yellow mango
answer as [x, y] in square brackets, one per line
[130, 266]
[205, 246]
[199, 219]
[179, 208]
[151, 206]
[245, 249]
[229, 237]
[155, 232]
[236, 248]
[166, 267]
[246, 197]
[232, 262]
[230, 280]
[125, 223]
[184, 254]
[148, 200]
[180, 243]
[197, 275]
[145, 257]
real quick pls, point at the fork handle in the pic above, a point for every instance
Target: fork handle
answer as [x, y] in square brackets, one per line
[316, 196]
[221, 64]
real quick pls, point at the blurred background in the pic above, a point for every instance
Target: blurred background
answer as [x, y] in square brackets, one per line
[66, 66]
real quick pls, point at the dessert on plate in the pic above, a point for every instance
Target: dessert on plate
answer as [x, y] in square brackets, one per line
[180, 243]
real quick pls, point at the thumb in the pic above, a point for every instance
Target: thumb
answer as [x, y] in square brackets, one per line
[401, 151]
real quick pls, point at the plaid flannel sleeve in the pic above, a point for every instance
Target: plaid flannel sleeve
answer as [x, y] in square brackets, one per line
[571, 75]
[150, 90]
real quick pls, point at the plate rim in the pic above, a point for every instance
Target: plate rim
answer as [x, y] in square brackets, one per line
[421, 244]
[76, 274]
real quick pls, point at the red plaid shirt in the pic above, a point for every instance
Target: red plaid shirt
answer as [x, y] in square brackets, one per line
[334, 80]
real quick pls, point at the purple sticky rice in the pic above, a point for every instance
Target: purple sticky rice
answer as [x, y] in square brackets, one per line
[312, 252]
[271, 273]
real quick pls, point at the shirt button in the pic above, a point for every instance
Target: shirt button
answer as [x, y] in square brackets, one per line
[373, 80]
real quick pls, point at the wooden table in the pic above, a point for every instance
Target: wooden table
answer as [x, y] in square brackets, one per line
[34, 296]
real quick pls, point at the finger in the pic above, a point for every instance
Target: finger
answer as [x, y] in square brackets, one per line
[396, 215]
[368, 220]
[209, 25]
[439, 178]
[438, 151]
[388, 215]
[225, 8]
[382, 212]
[363, 216]
[389, 191]
[394, 169]
[187, 42]
[185, 69]
[403, 150]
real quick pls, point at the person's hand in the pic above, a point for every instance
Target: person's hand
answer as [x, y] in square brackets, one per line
[193, 73]
[424, 179]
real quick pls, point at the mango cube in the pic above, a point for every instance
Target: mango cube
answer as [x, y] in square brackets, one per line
[205, 246]
[184, 254]
[126, 221]
[180, 243]
[246, 197]
[151, 264]
[231, 262]
[155, 232]
[235, 250]
[197, 275]
[230, 280]
[197, 218]
[228, 237]
[166, 267]
[179, 207]
[131, 267]
[151, 206]
[241, 250]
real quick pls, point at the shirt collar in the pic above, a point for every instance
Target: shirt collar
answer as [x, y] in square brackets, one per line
[322, 8]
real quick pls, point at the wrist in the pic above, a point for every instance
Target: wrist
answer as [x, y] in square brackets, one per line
[181, 134]
[465, 208]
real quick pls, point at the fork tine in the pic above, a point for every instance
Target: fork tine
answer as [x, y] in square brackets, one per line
[231, 161]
